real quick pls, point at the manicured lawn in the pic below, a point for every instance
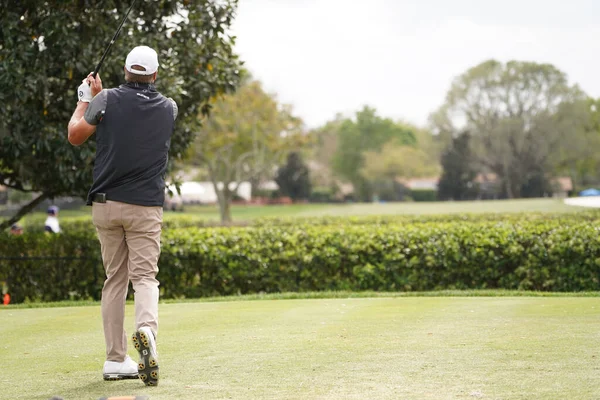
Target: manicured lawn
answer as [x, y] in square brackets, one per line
[500, 206]
[248, 213]
[343, 348]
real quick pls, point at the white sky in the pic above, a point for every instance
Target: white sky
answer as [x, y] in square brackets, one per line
[400, 56]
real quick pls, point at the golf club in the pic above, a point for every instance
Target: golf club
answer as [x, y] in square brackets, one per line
[112, 41]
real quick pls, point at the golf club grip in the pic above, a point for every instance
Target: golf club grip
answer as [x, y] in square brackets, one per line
[97, 68]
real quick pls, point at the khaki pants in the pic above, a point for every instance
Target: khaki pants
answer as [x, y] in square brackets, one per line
[130, 242]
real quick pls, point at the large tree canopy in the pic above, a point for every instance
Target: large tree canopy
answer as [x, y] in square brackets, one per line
[579, 156]
[398, 161]
[47, 48]
[247, 135]
[367, 131]
[519, 114]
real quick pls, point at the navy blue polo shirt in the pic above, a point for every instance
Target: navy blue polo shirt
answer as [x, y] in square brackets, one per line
[134, 125]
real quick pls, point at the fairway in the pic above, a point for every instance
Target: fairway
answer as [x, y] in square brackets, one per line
[369, 348]
[251, 212]
[447, 207]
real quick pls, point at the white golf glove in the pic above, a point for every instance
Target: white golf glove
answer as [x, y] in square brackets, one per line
[84, 92]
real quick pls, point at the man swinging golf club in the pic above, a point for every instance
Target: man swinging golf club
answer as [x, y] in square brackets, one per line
[133, 125]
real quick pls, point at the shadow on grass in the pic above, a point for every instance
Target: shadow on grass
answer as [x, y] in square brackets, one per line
[101, 389]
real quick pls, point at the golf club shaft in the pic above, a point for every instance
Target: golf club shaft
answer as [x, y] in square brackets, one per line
[112, 41]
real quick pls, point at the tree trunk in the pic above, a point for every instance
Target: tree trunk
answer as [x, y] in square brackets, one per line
[26, 209]
[254, 184]
[225, 205]
[508, 187]
[508, 183]
[223, 196]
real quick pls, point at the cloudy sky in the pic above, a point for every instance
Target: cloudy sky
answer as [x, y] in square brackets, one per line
[400, 56]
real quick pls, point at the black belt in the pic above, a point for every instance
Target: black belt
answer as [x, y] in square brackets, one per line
[99, 198]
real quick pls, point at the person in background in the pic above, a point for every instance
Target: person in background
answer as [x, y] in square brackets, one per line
[16, 229]
[52, 225]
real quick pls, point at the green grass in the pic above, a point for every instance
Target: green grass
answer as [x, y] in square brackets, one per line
[325, 295]
[499, 206]
[249, 213]
[344, 348]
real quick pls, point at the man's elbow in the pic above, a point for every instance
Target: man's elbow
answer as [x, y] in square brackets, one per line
[73, 138]
[75, 143]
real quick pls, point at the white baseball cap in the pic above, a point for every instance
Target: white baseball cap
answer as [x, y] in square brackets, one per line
[143, 56]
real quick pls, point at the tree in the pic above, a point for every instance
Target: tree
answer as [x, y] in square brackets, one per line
[594, 107]
[293, 178]
[519, 115]
[247, 134]
[458, 178]
[395, 162]
[580, 158]
[366, 132]
[324, 142]
[45, 52]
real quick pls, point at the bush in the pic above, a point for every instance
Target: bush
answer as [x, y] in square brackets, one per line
[42, 267]
[401, 219]
[560, 253]
[322, 195]
[423, 195]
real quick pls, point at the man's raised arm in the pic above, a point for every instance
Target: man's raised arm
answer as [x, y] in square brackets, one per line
[79, 128]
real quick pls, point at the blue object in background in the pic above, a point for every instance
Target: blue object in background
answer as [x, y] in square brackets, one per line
[590, 192]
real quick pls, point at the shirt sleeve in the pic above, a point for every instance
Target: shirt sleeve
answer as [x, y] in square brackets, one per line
[95, 111]
[175, 108]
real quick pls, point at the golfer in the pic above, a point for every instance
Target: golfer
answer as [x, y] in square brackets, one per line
[133, 125]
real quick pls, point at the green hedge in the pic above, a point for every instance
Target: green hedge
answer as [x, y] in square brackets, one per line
[175, 221]
[43, 267]
[559, 254]
[403, 219]
[424, 195]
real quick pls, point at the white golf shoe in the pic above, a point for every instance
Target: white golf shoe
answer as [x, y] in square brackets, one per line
[145, 344]
[115, 371]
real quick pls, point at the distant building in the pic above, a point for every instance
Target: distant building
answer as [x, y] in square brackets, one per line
[346, 189]
[203, 193]
[488, 183]
[563, 186]
[268, 186]
[430, 183]
[488, 186]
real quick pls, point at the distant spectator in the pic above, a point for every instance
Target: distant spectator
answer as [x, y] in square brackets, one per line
[16, 229]
[52, 224]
